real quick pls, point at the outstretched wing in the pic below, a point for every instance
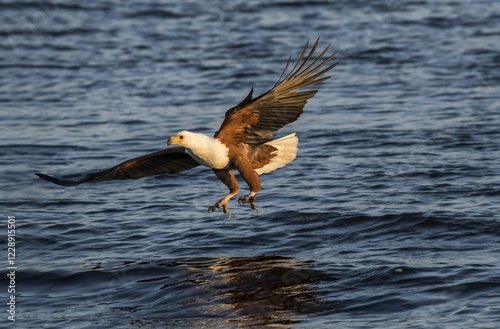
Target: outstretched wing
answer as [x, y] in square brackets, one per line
[255, 120]
[167, 161]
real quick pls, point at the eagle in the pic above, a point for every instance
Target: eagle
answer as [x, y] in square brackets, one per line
[244, 142]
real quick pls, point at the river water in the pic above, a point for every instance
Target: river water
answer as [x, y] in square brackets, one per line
[389, 216]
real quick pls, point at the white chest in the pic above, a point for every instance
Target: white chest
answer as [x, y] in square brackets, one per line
[210, 152]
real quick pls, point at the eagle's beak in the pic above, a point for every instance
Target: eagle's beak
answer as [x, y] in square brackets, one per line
[173, 140]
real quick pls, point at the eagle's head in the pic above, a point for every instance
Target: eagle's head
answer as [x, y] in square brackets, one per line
[184, 138]
[178, 139]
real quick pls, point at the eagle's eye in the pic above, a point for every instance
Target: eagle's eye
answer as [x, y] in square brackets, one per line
[181, 137]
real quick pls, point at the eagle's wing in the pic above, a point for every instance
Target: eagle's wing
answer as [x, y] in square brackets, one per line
[255, 120]
[167, 161]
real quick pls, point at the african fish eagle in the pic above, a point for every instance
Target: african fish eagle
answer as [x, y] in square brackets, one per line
[244, 142]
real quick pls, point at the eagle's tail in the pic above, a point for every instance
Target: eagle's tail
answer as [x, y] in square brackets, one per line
[286, 151]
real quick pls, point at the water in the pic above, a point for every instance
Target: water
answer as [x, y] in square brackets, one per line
[387, 218]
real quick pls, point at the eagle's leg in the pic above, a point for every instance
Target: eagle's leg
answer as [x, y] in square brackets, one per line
[252, 179]
[227, 177]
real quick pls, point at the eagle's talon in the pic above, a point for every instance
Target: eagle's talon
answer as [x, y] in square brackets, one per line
[248, 199]
[254, 207]
[219, 205]
[225, 209]
[214, 207]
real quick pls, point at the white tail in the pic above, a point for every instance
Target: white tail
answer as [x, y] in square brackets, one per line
[286, 151]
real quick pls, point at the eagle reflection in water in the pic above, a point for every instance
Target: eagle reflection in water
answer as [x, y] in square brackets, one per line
[261, 290]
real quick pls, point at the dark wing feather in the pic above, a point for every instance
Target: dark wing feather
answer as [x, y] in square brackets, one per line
[255, 120]
[167, 161]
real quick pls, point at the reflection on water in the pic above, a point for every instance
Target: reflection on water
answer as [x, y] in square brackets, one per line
[260, 290]
[236, 292]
